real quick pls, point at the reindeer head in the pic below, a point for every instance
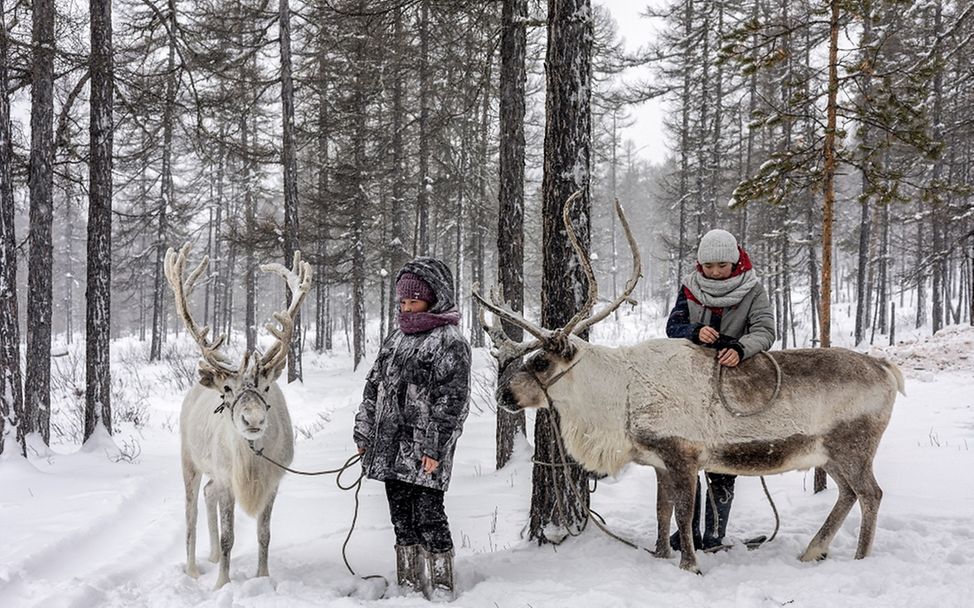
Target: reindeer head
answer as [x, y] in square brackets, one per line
[246, 390]
[526, 382]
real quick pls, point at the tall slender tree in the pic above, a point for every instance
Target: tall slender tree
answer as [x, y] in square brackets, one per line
[290, 163]
[510, 195]
[11, 390]
[98, 309]
[37, 381]
[559, 497]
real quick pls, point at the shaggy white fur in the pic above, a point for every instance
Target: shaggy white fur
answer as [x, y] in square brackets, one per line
[657, 403]
[215, 444]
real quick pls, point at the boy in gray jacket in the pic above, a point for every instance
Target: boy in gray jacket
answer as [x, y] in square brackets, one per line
[721, 305]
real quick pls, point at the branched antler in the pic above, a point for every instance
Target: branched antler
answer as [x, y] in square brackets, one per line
[586, 264]
[213, 358]
[505, 348]
[298, 279]
[637, 272]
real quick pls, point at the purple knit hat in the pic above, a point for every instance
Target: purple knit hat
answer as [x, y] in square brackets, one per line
[411, 287]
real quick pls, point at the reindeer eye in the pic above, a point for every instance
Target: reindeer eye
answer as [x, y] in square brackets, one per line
[539, 364]
[267, 388]
[226, 389]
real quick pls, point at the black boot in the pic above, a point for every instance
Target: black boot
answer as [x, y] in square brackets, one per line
[722, 488]
[675, 543]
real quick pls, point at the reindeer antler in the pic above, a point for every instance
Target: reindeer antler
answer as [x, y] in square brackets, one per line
[586, 264]
[506, 349]
[637, 272]
[174, 266]
[298, 279]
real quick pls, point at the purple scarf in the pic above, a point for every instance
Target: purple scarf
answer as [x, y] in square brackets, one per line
[418, 322]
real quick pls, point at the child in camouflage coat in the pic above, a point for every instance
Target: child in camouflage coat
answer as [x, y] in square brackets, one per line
[412, 412]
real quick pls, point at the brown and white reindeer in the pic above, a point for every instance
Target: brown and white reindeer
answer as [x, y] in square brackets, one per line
[233, 412]
[647, 404]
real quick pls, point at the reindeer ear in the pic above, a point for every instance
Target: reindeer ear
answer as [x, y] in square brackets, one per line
[271, 374]
[211, 378]
[207, 378]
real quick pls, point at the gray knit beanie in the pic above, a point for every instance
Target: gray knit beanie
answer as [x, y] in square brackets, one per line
[718, 246]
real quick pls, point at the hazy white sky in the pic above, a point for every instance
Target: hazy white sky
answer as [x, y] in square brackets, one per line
[647, 130]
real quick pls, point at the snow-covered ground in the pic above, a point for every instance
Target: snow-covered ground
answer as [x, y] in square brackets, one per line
[87, 528]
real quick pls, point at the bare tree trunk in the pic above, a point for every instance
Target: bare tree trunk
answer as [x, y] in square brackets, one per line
[685, 140]
[250, 220]
[218, 263]
[937, 204]
[863, 260]
[398, 252]
[98, 408]
[883, 283]
[11, 390]
[422, 201]
[37, 381]
[921, 269]
[559, 498]
[67, 299]
[289, 160]
[356, 190]
[478, 263]
[510, 217]
[829, 187]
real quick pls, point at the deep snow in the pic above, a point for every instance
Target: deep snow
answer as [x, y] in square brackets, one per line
[80, 529]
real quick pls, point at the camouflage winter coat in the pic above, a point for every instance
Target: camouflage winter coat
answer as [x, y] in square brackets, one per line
[416, 395]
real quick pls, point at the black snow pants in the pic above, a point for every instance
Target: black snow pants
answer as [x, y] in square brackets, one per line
[418, 516]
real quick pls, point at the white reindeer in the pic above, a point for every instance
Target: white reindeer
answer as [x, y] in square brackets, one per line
[647, 404]
[227, 417]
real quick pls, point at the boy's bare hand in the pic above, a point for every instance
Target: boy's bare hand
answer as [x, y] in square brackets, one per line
[708, 335]
[429, 465]
[728, 357]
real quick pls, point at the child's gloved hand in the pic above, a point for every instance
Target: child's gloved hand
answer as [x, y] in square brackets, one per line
[704, 334]
[729, 351]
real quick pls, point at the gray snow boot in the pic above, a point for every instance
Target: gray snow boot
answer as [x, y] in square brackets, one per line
[410, 564]
[439, 572]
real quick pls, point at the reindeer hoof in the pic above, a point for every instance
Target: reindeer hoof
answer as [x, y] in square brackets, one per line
[690, 567]
[192, 571]
[813, 556]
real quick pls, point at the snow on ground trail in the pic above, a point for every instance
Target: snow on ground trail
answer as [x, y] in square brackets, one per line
[81, 531]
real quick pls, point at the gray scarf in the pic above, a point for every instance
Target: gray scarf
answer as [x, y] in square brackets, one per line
[715, 293]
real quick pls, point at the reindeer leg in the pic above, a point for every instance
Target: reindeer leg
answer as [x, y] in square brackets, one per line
[818, 548]
[870, 495]
[191, 483]
[264, 535]
[211, 494]
[226, 537]
[664, 512]
[683, 489]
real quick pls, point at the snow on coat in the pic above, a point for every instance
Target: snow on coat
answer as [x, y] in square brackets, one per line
[416, 395]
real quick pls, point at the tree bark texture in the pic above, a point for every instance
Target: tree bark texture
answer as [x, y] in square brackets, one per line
[290, 163]
[37, 381]
[166, 191]
[11, 389]
[98, 408]
[510, 217]
[559, 498]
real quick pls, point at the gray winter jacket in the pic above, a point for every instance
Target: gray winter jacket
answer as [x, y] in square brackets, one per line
[751, 321]
[416, 395]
